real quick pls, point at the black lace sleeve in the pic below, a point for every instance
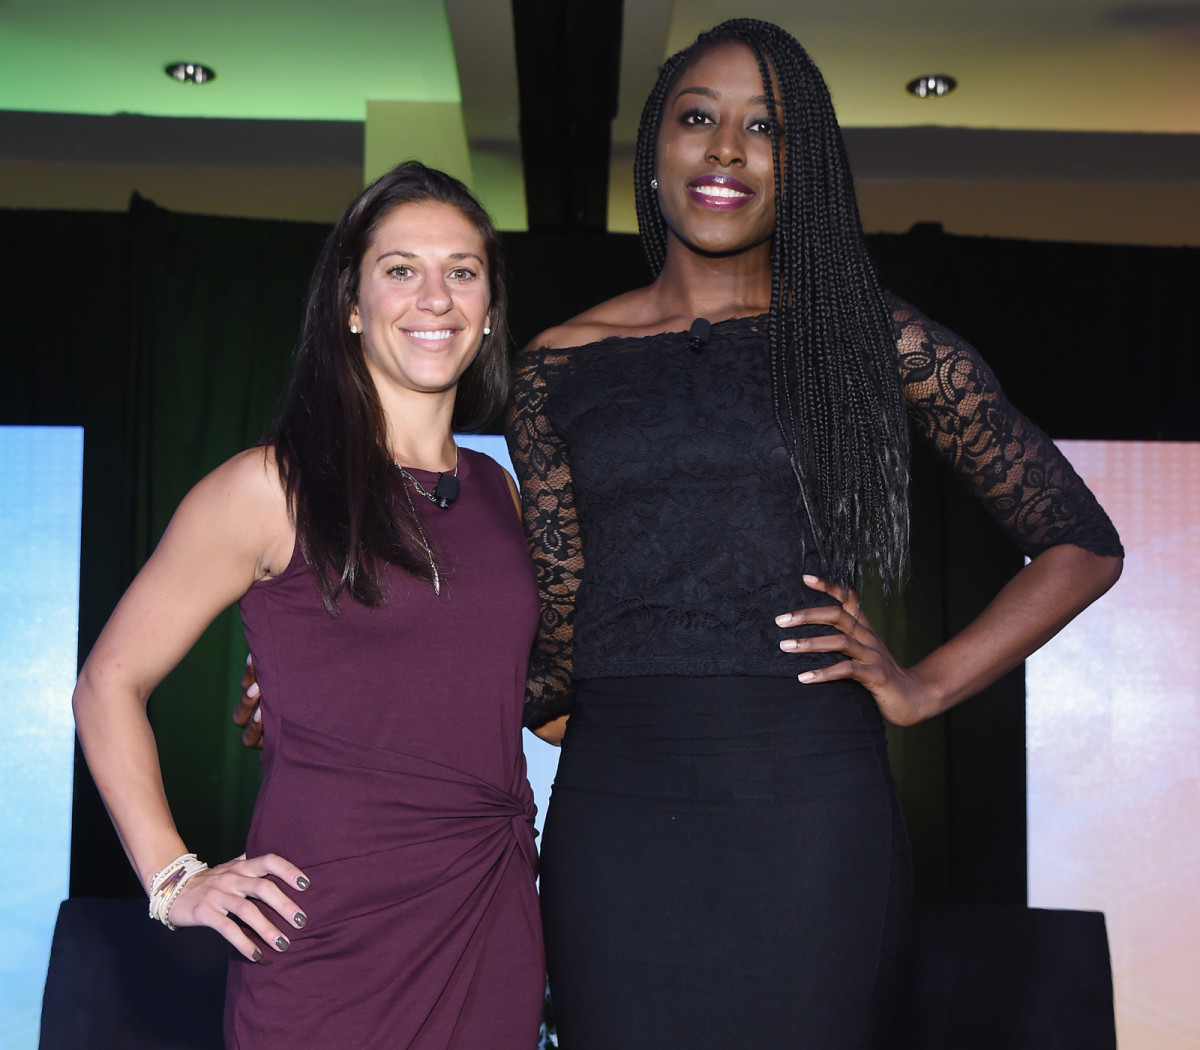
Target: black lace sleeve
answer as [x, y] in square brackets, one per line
[543, 469]
[956, 404]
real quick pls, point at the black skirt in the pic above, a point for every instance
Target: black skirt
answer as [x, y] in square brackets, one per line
[724, 865]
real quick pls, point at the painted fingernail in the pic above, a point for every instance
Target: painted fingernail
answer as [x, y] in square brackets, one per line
[782, 619]
[281, 942]
[810, 580]
[252, 692]
[299, 919]
[257, 956]
[302, 881]
[808, 676]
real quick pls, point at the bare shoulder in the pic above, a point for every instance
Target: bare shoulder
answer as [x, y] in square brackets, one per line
[632, 313]
[242, 503]
[250, 480]
[217, 545]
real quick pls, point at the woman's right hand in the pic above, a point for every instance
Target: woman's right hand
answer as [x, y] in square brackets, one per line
[215, 897]
[248, 711]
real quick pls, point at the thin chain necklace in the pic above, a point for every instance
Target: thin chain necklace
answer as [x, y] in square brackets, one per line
[445, 489]
[437, 580]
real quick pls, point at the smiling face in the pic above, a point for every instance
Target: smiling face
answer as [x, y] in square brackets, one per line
[714, 165]
[422, 299]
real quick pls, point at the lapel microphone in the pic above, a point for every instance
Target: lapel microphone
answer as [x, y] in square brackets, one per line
[445, 491]
[698, 334]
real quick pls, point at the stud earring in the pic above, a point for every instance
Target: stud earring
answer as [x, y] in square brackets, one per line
[654, 184]
[354, 329]
[486, 330]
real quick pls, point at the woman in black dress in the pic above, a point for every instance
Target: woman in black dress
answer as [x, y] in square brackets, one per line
[708, 465]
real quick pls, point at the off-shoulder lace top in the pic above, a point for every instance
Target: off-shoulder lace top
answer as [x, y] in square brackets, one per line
[663, 515]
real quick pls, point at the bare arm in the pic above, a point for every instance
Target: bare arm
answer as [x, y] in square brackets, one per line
[1029, 610]
[230, 530]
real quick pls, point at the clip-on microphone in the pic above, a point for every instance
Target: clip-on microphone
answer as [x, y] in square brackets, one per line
[698, 334]
[445, 491]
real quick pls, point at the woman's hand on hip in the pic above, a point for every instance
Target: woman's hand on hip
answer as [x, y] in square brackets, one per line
[900, 696]
[218, 896]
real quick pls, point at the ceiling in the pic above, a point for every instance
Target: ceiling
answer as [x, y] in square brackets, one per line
[288, 59]
[1065, 65]
[1060, 64]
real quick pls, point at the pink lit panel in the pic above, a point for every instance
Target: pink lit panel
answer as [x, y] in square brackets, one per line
[1113, 734]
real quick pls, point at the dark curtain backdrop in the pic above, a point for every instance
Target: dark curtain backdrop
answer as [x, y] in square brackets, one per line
[167, 338]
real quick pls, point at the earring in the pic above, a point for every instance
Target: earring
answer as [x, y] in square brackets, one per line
[486, 330]
[654, 184]
[354, 329]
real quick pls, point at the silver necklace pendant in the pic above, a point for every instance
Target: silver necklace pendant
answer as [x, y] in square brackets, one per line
[437, 580]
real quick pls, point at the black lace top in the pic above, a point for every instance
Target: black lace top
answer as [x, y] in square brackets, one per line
[663, 513]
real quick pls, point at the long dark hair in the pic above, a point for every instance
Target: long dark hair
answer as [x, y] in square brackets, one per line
[835, 373]
[331, 438]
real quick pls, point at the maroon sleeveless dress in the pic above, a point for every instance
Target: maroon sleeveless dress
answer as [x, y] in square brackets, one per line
[393, 776]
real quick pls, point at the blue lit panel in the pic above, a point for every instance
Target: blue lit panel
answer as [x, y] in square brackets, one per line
[41, 472]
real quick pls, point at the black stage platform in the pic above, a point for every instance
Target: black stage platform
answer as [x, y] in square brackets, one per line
[983, 978]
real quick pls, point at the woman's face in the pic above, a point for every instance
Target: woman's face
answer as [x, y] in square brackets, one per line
[716, 182]
[423, 298]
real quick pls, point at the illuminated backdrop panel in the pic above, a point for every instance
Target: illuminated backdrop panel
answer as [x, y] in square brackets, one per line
[41, 474]
[1113, 732]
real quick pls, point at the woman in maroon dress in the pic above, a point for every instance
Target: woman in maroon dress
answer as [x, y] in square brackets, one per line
[386, 897]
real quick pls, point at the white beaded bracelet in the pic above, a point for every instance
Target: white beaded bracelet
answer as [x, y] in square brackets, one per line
[166, 885]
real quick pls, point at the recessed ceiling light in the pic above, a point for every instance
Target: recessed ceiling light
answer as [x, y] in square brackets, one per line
[189, 72]
[933, 85]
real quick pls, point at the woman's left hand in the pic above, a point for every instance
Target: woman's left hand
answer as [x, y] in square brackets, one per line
[899, 694]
